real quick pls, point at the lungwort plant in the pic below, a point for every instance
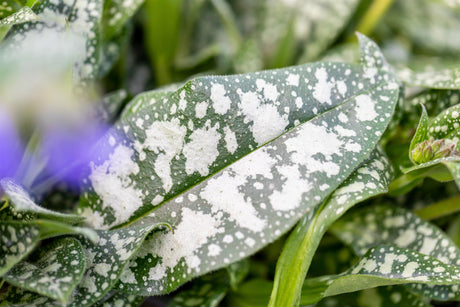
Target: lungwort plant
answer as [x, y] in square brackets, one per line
[330, 179]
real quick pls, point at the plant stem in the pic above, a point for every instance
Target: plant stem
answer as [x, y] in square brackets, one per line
[373, 15]
[439, 209]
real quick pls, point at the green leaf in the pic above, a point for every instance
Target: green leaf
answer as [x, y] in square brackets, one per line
[234, 162]
[439, 78]
[380, 225]
[116, 14]
[421, 132]
[382, 266]
[18, 240]
[77, 22]
[305, 27]
[50, 229]
[106, 260]
[446, 125]
[9, 7]
[120, 298]
[24, 14]
[395, 296]
[429, 25]
[23, 203]
[370, 179]
[58, 270]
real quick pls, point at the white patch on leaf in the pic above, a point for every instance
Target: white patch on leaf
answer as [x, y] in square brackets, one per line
[365, 108]
[202, 150]
[323, 88]
[267, 121]
[221, 103]
[112, 182]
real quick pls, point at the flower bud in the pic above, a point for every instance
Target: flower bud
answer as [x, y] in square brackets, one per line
[431, 149]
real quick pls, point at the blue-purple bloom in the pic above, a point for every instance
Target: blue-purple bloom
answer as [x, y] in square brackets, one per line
[11, 147]
[65, 152]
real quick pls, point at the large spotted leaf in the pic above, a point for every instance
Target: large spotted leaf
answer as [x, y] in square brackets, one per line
[17, 241]
[76, 22]
[23, 15]
[444, 77]
[379, 225]
[370, 179]
[386, 265]
[234, 162]
[58, 270]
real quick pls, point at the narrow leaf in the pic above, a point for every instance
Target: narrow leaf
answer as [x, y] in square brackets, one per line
[22, 202]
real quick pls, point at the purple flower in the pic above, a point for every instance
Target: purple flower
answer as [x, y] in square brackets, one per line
[11, 147]
[69, 150]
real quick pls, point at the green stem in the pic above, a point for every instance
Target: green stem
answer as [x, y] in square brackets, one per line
[373, 15]
[295, 260]
[439, 209]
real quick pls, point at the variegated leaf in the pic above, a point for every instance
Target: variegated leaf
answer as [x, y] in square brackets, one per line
[386, 265]
[308, 26]
[121, 299]
[58, 270]
[17, 241]
[24, 14]
[378, 225]
[370, 179]
[116, 14]
[439, 78]
[9, 7]
[204, 156]
[77, 21]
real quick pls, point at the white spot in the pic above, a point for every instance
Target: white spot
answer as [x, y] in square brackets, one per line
[290, 196]
[269, 90]
[230, 140]
[341, 87]
[200, 109]
[165, 139]
[112, 182]
[409, 269]
[428, 245]
[322, 91]
[267, 121]
[293, 80]
[201, 151]
[221, 103]
[407, 237]
[365, 108]
[102, 269]
[214, 250]
[191, 233]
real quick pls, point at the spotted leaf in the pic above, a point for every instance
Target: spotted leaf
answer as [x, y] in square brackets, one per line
[379, 225]
[22, 202]
[234, 162]
[24, 14]
[18, 240]
[381, 266]
[307, 26]
[76, 21]
[58, 270]
[370, 179]
[441, 78]
[120, 298]
[9, 7]
[116, 14]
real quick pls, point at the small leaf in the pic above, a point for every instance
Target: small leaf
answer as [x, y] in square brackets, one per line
[24, 14]
[421, 132]
[17, 241]
[380, 225]
[381, 266]
[22, 202]
[116, 14]
[50, 229]
[58, 270]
